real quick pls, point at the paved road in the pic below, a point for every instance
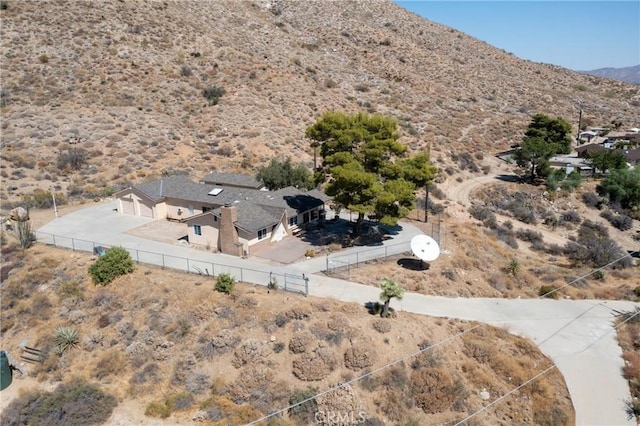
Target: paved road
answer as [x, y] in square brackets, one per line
[577, 335]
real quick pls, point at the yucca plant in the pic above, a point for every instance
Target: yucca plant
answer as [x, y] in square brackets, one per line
[66, 338]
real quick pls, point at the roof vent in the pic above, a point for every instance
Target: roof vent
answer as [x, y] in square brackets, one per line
[215, 191]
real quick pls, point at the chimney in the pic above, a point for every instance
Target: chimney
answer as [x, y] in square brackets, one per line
[228, 235]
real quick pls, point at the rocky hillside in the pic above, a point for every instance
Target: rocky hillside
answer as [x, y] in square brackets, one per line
[121, 84]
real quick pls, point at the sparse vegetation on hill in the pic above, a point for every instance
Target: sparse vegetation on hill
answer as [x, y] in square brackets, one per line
[189, 353]
[133, 87]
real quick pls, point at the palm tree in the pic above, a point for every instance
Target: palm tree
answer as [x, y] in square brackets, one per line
[390, 289]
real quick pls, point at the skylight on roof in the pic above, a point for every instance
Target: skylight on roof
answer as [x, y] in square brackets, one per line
[215, 191]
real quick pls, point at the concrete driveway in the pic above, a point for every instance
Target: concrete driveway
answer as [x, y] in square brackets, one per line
[577, 335]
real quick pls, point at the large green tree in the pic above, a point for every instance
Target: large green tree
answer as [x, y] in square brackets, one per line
[366, 168]
[534, 154]
[623, 187]
[544, 138]
[282, 173]
[554, 131]
[607, 159]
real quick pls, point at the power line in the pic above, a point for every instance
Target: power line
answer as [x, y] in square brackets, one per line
[447, 340]
[542, 373]
[349, 382]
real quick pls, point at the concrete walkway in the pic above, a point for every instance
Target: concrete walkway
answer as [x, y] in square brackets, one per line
[577, 335]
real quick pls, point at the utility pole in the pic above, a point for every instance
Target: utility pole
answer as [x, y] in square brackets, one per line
[579, 126]
[55, 208]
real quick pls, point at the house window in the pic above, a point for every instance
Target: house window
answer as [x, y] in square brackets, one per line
[262, 234]
[197, 229]
[293, 221]
[205, 209]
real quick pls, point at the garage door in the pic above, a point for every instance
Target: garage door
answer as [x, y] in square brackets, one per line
[145, 210]
[127, 205]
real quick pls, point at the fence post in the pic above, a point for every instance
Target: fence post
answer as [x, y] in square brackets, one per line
[241, 270]
[73, 245]
[137, 256]
[54, 240]
[188, 269]
[162, 260]
[357, 257]
[327, 262]
[306, 284]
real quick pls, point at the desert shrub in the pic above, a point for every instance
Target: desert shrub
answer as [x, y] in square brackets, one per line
[433, 390]
[149, 374]
[591, 199]
[529, 235]
[523, 213]
[571, 216]
[157, 409]
[466, 162]
[115, 262]
[74, 404]
[359, 357]
[550, 416]
[278, 347]
[185, 71]
[73, 158]
[213, 94]
[66, 338]
[381, 325]
[281, 319]
[71, 290]
[40, 199]
[548, 291]
[619, 221]
[111, 363]
[197, 382]
[316, 365]
[395, 377]
[506, 235]
[250, 352]
[225, 283]
[338, 322]
[437, 192]
[300, 342]
[481, 350]
[303, 412]
[481, 213]
[298, 313]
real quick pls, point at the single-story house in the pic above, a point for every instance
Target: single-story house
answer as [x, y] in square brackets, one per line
[571, 164]
[227, 218]
[587, 135]
[632, 156]
[235, 180]
[585, 150]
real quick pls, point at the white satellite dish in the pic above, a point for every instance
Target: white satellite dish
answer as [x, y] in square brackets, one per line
[425, 248]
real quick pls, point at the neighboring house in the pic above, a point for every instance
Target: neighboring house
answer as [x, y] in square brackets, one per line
[235, 180]
[231, 219]
[587, 136]
[632, 156]
[585, 150]
[571, 164]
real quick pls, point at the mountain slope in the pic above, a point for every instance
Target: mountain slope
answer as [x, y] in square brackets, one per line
[126, 80]
[628, 74]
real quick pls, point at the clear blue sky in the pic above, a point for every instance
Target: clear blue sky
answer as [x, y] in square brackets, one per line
[579, 35]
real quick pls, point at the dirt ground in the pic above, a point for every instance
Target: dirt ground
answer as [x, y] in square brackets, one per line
[174, 315]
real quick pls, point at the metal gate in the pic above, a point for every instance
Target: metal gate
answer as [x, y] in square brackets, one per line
[296, 283]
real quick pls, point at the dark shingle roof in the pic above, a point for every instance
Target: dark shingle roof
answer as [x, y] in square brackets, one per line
[256, 209]
[233, 180]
